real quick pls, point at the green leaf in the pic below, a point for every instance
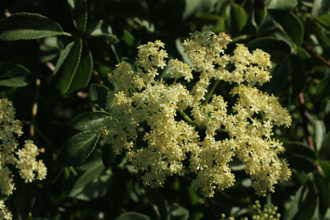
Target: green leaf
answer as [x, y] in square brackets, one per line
[327, 117]
[133, 216]
[217, 22]
[100, 29]
[26, 26]
[299, 149]
[279, 75]
[67, 65]
[298, 76]
[282, 4]
[15, 75]
[319, 133]
[89, 120]
[325, 146]
[325, 165]
[290, 24]
[108, 156]
[24, 201]
[238, 19]
[178, 212]
[83, 73]
[77, 148]
[324, 19]
[157, 201]
[78, 10]
[306, 58]
[93, 184]
[98, 94]
[323, 192]
[304, 203]
[323, 89]
[272, 46]
[259, 13]
[320, 7]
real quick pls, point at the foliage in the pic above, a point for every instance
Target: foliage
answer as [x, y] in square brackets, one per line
[55, 58]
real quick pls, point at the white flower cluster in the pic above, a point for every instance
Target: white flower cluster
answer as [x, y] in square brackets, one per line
[140, 98]
[24, 159]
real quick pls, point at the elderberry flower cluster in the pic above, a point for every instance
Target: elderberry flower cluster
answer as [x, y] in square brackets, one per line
[24, 159]
[265, 213]
[140, 98]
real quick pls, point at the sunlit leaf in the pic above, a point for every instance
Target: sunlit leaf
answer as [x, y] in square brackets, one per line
[89, 120]
[83, 73]
[66, 66]
[26, 26]
[77, 148]
[238, 19]
[133, 216]
[320, 7]
[290, 23]
[78, 10]
[93, 184]
[15, 75]
[100, 28]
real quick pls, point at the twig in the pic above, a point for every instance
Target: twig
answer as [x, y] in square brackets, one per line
[324, 61]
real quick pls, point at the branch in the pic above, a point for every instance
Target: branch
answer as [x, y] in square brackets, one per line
[324, 61]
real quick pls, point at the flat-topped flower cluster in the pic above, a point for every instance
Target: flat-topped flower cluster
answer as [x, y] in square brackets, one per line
[24, 159]
[140, 98]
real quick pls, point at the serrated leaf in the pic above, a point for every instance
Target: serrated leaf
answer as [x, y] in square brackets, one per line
[279, 77]
[26, 26]
[133, 216]
[323, 89]
[298, 76]
[93, 184]
[290, 23]
[83, 73]
[320, 7]
[100, 28]
[157, 201]
[272, 46]
[323, 192]
[66, 66]
[15, 75]
[98, 94]
[238, 19]
[89, 120]
[77, 148]
[78, 10]
[304, 203]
